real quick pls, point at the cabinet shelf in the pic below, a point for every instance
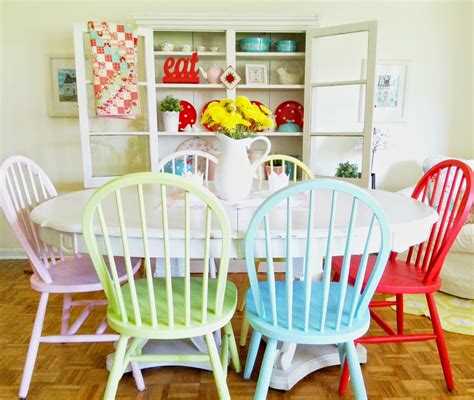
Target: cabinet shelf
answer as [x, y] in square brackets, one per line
[119, 133]
[175, 134]
[198, 86]
[270, 87]
[209, 86]
[204, 133]
[282, 134]
[271, 55]
[209, 54]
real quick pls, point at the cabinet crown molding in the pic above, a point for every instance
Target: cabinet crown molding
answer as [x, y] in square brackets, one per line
[225, 20]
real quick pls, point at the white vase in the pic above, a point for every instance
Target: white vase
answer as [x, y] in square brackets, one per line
[234, 172]
[171, 121]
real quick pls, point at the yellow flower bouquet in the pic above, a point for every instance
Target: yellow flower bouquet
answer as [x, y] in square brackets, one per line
[237, 119]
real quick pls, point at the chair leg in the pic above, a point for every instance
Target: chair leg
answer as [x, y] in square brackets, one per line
[357, 379]
[244, 331]
[137, 375]
[217, 370]
[344, 381]
[400, 314]
[212, 268]
[117, 367]
[252, 353]
[67, 300]
[266, 370]
[440, 341]
[225, 354]
[241, 306]
[136, 348]
[234, 352]
[33, 346]
[341, 350]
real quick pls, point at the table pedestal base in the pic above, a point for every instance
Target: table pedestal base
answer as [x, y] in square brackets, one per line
[307, 359]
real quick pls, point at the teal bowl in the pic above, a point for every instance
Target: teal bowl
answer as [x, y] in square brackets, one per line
[255, 45]
[286, 46]
[289, 126]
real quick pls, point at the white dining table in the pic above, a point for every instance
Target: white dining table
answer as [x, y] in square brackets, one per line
[59, 221]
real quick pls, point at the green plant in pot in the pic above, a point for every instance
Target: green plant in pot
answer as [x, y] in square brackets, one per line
[347, 170]
[171, 107]
[278, 167]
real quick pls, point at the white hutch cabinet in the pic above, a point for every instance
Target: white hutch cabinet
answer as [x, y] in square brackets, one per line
[336, 91]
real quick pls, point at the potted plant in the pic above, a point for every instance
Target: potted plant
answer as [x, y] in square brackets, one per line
[274, 166]
[236, 122]
[347, 170]
[171, 107]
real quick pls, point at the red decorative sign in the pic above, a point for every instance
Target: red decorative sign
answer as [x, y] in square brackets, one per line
[182, 70]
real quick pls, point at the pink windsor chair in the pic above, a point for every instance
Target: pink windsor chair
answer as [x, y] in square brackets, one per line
[23, 186]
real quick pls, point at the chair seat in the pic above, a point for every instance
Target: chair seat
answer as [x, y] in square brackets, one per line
[297, 334]
[398, 277]
[180, 330]
[78, 274]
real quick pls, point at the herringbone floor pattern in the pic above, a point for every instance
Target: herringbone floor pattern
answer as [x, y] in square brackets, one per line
[77, 371]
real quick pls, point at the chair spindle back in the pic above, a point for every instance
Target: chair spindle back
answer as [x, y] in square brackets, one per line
[353, 237]
[199, 161]
[300, 171]
[23, 186]
[448, 188]
[147, 195]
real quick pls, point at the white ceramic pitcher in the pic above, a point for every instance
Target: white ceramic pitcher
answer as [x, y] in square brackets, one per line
[234, 172]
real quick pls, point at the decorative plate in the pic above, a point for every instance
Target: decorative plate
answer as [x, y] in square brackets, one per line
[188, 116]
[209, 128]
[198, 144]
[290, 111]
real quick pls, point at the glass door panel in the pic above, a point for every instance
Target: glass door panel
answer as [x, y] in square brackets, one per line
[339, 93]
[337, 108]
[339, 58]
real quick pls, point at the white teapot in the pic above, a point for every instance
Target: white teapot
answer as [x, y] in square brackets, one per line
[212, 74]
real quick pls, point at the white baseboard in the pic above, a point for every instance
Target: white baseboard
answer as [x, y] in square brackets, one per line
[12, 254]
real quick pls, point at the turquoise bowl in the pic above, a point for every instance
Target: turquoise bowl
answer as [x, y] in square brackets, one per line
[255, 45]
[287, 46]
[289, 126]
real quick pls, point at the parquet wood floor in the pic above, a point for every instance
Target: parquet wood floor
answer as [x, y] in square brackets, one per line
[77, 371]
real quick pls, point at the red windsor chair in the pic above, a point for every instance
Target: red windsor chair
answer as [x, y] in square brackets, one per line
[447, 187]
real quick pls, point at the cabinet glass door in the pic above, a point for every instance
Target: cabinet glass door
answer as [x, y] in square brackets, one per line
[339, 91]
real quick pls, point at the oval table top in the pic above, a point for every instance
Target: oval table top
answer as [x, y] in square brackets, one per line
[410, 220]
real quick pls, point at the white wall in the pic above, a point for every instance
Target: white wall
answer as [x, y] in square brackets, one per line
[436, 37]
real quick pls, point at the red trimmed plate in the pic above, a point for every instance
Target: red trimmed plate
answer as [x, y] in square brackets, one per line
[289, 111]
[188, 116]
[215, 129]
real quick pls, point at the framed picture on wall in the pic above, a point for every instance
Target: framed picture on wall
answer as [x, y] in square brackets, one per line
[256, 74]
[62, 89]
[389, 91]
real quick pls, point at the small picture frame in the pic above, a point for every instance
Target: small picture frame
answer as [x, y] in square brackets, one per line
[389, 90]
[256, 74]
[62, 88]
